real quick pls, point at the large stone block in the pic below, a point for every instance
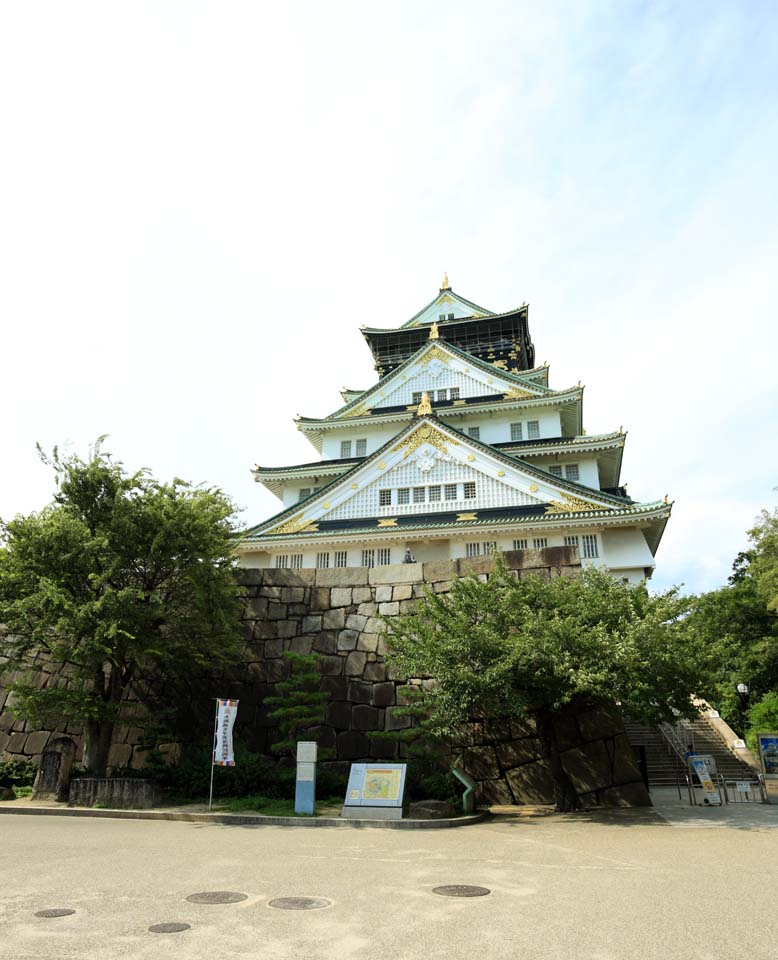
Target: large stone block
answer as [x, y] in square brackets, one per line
[355, 664]
[403, 591]
[287, 629]
[334, 619]
[389, 609]
[481, 763]
[271, 649]
[601, 721]
[320, 598]
[516, 752]
[301, 645]
[270, 593]
[331, 666]
[383, 594]
[116, 793]
[339, 714]
[368, 642]
[312, 623]
[397, 573]
[36, 742]
[326, 642]
[356, 621]
[293, 594]
[266, 630]
[440, 570]
[382, 694]
[340, 597]
[246, 576]
[376, 671]
[588, 766]
[289, 578]
[352, 745]
[496, 730]
[342, 577]
[16, 742]
[362, 595]
[383, 748]
[531, 783]
[624, 768]
[364, 717]
[276, 611]
[256, 608]
[369, 609]
[337, 687]
[347, 639]
[359, 692]
[324, 736]
[119, 755]
[490, 792]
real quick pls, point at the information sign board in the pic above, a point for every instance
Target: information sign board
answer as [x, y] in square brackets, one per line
[376, 785]
[768, 753]
[710, 794]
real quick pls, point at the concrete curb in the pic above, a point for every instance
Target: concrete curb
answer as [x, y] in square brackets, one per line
[245, 820]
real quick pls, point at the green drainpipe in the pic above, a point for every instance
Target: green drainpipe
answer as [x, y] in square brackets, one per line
[468, 797]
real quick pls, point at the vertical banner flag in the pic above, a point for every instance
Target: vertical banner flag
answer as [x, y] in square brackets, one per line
[226, 711]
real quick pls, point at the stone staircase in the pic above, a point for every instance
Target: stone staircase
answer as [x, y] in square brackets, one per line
[665, 767]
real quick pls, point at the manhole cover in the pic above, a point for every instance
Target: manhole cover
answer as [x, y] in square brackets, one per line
[217, 896]
[461, 890]
[299, 903]
[57, 912]
[169, 927]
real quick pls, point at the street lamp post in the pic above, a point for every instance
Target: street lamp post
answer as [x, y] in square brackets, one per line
[743, 693]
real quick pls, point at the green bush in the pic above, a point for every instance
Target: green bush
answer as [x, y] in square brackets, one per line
[253, 773]
[17, 773]
[762, 718]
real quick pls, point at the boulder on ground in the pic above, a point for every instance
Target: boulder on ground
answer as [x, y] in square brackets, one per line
[431, 810]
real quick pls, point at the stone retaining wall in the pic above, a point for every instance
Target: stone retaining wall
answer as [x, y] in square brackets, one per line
[336, 613]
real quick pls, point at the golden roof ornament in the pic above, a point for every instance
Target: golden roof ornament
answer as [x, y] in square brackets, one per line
[434, 331]
[425, 407]
[445, 285]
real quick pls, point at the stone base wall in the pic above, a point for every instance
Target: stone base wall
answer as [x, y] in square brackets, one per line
[336, 613]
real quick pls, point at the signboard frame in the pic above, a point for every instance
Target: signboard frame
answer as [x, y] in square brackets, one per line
[769, 762]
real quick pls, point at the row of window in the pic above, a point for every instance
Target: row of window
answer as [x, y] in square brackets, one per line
[360, 448]
[451, 393]
[587, 544]
[433, 494]
[370, 558]
[572, 471]
[533, 430]
[442, 316]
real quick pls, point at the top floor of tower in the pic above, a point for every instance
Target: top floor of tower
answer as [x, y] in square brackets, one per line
[501, 339]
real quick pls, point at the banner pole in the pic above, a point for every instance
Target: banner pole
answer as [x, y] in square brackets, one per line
[213, 752]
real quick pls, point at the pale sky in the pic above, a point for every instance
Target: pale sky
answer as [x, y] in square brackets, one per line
[202, 202]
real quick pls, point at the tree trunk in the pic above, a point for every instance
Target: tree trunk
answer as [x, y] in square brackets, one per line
[565, 795]
[98, 735]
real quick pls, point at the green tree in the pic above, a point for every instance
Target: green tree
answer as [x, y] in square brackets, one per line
[300, 702]
[508, 647]
[120, 575]
[764, 563]
[737, 638]
[762, 718]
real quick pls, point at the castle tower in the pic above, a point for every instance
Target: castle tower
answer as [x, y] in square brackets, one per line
[459, 449]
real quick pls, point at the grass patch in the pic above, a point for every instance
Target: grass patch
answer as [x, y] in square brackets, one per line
[22, 792]
[270, 807]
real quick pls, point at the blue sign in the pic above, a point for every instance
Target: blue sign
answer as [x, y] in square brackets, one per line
[376, 785]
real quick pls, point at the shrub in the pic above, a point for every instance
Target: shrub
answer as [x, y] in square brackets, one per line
[17, 773]
[762, 718]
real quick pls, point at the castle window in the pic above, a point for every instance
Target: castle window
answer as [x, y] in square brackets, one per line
[305, 492]
[590, 545]
[442, 394]
[555, 469]
[322, 560]
[341, 558]
[516, 431]
[520, 544]
[434, 493]
[450, 491]
[473, 549]
[384, 557]
[571, 541]
[345, 449]
[384, 498]
[368, 558]
[403, 495]
[533, 429]
[361, 448]
[296, 561]
[572, 472]
[451, 316]
[419, 494]
[490, 546]
[441, 316]
[540, 543]
[474, 432]
[453, 393]
[282, 561]
[416, 396]
[470, 491]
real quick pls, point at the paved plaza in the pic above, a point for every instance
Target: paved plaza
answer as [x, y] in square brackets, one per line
[648, 884]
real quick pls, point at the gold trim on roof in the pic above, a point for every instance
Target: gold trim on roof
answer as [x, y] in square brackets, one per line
[434, 354]
[462, 517]
[445, 285]
[359, 410]
[297, 524]
[425, 433]
[388, 522]
[434, 331]
[515, 393]
[570, 504]
[425, 407]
